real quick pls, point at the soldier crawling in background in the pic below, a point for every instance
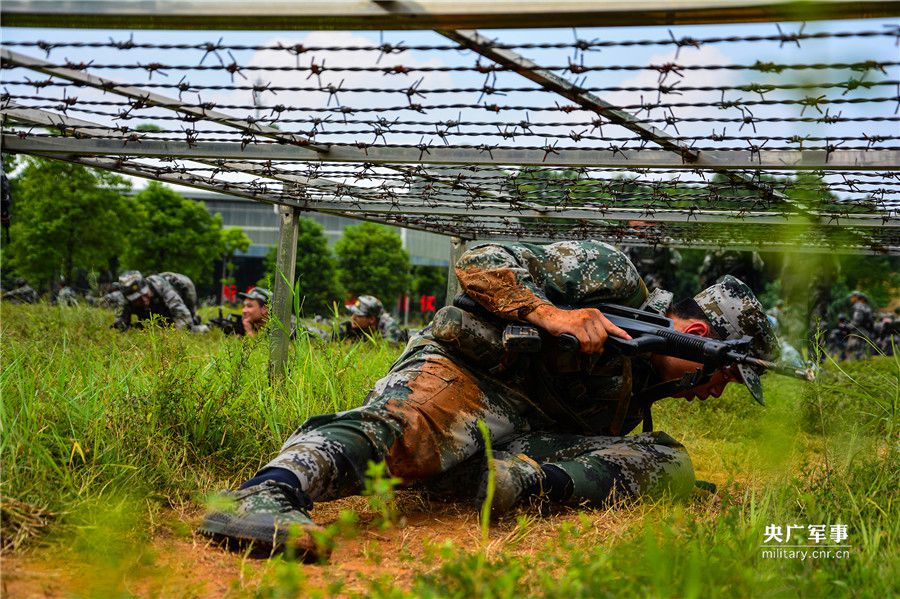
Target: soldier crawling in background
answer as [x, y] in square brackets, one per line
[169, 295]
[368, 317]
[837, 338]
[746, 266]
[22, 294]
[657, 265]
[889, 332]
[859, 344]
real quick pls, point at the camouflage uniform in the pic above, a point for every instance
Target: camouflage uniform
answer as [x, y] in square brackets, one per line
[746, 266]
[66, 297]
[568, 411]
[837, 339]
[658, 265]
[863, 323]
[386, 326]
[23, 294]
[172, 297]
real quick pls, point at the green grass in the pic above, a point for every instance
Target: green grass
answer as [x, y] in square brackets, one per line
[102, 432]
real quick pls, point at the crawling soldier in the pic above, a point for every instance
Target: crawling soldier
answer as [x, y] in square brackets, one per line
[556, 425]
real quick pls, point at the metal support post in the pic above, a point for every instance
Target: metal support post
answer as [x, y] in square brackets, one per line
[283, 291]
[458, 246]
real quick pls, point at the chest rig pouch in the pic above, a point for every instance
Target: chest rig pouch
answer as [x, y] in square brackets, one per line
[469, 336]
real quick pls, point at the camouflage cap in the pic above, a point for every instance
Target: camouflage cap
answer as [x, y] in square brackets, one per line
[734, 312]
[260, 294]
[132, 285]
[366, 305]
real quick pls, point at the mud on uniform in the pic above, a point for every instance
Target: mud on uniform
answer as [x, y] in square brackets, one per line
[566, 410]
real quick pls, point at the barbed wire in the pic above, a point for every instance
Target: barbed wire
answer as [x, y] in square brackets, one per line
[579, 44]
[850, 105]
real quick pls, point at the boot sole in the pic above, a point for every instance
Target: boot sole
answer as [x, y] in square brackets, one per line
[237, 534]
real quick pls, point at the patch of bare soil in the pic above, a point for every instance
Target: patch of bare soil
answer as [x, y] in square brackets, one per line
[179, 563]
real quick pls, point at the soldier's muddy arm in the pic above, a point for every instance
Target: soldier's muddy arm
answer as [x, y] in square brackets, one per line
[494, 277]
[509, 281]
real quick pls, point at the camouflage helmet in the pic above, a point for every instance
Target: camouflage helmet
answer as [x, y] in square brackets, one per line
[366, 305]
[132, 285]
[734, 312]
[260, 294]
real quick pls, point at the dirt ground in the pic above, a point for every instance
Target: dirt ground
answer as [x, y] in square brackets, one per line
[178, 563]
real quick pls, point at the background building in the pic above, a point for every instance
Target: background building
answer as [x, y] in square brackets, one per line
[260, 222]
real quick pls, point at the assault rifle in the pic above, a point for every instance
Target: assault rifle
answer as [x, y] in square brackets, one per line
[651, 334]
[232, 325]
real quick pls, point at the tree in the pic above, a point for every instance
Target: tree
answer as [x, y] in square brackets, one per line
[233, 240]
[372, 261]
[173, 234]
[316, 270]
[430, 280]
[67, 218]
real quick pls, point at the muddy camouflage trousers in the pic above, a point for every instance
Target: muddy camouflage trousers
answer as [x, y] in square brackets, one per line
[421, 419]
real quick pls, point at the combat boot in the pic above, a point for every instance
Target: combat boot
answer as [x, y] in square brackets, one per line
[268, 516]
[516, 476]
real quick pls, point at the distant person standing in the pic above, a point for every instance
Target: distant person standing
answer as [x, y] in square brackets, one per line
[170, 296]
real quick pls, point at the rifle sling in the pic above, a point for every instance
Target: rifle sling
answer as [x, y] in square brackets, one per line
[649, 396]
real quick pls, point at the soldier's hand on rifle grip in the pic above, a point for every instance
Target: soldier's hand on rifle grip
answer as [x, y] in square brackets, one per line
[588, 325]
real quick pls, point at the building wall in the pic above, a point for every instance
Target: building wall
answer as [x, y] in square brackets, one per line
[260, 222]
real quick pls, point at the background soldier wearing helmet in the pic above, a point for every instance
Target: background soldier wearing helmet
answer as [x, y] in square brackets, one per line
[22, 294]
[746, 266]
[169, 295]
[889, 336]
[657, 265]
[863, 323]
[557, 420]
[837, 339]
[368, 317]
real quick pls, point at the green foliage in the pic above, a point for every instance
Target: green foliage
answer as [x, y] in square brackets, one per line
[67, 218]
[173, 234]
[107, 436]
[9, 162]
[233, 240]
[372, 261]
[380, 489]
[148, 128]
[316, 270]
[158, 411]
[430, 280]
